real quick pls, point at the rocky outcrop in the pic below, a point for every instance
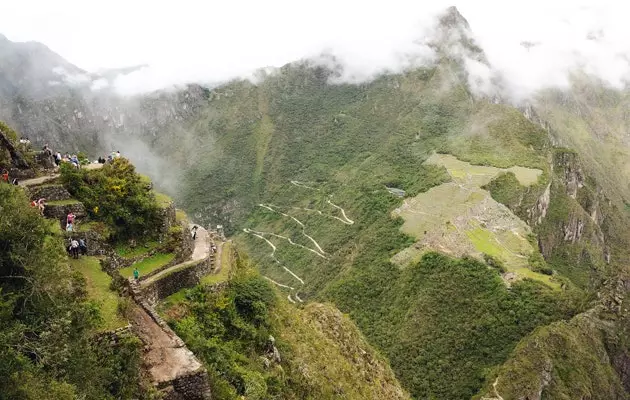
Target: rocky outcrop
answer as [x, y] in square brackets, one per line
[167, 216]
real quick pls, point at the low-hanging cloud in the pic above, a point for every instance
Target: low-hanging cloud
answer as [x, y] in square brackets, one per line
[530, 45]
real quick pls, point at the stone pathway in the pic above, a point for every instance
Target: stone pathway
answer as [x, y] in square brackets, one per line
[38, 181]
[165, 356]
[43, 179]
[201, 251]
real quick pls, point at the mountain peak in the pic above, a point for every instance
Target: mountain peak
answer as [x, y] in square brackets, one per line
[452, 18]
[453, 37]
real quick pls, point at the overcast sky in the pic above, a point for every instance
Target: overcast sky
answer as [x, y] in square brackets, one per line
[189, 40]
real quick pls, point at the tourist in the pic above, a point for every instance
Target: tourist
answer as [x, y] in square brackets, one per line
[82, 247]
[74, 248]
[194, 232]
[58, 158]
[41, 204]
[69, 227]
[5, 176]
[136, 274]
[70, 218]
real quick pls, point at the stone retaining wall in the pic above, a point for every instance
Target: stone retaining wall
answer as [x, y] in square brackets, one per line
[60, 212]
[49, 192]
[168, 218]
[194, 386]
[185, 277]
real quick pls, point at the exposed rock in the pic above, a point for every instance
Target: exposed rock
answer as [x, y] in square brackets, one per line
[539, 211]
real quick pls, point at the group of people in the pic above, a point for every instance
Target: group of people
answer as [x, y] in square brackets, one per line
[77, 247]
[74, 159]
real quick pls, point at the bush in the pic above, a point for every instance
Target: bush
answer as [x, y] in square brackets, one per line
[494, 263]
[115, 195]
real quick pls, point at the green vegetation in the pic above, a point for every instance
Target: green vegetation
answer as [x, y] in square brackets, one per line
[98, 290]
[162, 200]
[115, 195]
[67, 202]
[348, 143]
[148, 265]
[322, 353]
[129, 251]
[573, 353]
[180, 216]
[47, 318]
[417, 315]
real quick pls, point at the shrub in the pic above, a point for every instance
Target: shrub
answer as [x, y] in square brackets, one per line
[115, 195]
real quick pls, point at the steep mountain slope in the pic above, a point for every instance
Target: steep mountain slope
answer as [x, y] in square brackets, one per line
[309, 173]
[473, 243]
[308, 169]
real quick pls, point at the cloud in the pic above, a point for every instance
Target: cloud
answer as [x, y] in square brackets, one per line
[216, 41]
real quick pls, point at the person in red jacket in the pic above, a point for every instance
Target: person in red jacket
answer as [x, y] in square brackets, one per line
[5, 176]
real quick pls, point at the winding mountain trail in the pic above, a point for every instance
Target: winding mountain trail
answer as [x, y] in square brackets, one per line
[279, 284]
[269, 207]
[323, 215]
[288, 239]
[273, 251]
[343, 212]
[273, 256]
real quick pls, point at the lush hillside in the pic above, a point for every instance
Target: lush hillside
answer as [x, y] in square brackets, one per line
[307, 174]
[480, 248]
[257, 345]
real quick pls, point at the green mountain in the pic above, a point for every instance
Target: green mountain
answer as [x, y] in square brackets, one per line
[480, 247]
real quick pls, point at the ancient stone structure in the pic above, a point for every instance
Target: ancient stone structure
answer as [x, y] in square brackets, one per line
[60, 212]
[50, 192]
[183, 277]
[174, 369]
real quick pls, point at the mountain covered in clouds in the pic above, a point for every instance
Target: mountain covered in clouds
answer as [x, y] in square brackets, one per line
[480, 246]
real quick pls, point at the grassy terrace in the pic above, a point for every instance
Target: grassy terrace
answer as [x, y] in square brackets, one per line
[226, 266]
[98, 290]
[62, 202]
[148, 265]
[126, 251]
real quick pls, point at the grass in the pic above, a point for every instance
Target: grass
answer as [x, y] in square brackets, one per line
[62, 202]
[98, 290]
[162, 200]
[148, 265]
[226, 267]
[126, 251]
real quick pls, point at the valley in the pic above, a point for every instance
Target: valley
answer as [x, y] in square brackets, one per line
[403, 237]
